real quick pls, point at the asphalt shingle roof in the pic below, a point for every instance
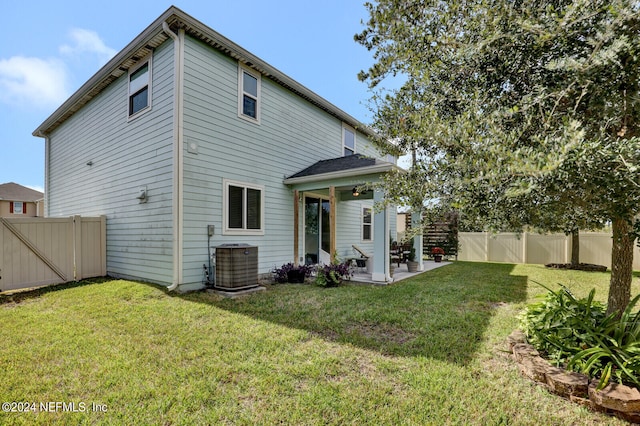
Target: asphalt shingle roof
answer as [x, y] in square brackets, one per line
[13, 192]
[349, 162]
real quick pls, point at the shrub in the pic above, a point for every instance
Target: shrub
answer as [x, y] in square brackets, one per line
[617, 352]
[281, 274]
[559, 325]
[577, 333]
[333, 274]
[412, 255]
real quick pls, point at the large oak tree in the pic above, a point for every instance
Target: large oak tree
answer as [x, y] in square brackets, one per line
[513, 106]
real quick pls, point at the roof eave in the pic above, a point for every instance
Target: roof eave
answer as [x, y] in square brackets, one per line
[116, 67]
[107, 74]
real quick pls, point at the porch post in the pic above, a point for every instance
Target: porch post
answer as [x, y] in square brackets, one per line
[296, 219]
[332, 222]
[381, 242]
[417, 240]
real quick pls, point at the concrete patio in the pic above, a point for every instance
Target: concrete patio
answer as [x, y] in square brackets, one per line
[400, 273]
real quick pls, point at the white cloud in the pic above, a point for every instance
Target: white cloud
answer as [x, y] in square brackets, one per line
[33, 81]
[87, 41]
[45, 83]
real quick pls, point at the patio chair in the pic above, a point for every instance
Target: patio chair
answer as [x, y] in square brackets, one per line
[396, 253]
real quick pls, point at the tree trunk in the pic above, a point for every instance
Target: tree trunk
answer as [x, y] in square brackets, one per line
[621, 267]
[575, 247]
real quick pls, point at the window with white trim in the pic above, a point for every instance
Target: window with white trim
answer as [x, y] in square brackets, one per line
[348, 141]
[367, 224]
[140, 88]
[249, 83]
[243, 208]
[17, 207]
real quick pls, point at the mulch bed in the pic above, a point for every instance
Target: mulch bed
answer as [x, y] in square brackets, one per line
[579, 267]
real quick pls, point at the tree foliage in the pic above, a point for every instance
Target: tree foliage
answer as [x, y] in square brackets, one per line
[519, 112]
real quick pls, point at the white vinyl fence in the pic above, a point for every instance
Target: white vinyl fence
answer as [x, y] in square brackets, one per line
[595, 247]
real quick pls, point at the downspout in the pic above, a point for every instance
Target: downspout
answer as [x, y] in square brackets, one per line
[45, 202]
[45, 198]
[177, 156]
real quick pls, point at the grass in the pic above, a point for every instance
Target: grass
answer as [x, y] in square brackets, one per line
[429, 350]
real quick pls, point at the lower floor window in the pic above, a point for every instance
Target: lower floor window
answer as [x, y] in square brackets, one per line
[367, 234]
[243, 208]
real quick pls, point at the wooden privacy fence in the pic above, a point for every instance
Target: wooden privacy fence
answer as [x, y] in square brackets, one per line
[42, 251]
[595, 247]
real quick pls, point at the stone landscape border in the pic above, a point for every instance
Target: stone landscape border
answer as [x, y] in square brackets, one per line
[615, 399]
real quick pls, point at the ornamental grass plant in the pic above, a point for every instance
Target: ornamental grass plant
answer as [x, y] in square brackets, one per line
[577, 334]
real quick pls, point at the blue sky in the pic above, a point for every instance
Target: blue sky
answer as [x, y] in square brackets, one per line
[50, 48]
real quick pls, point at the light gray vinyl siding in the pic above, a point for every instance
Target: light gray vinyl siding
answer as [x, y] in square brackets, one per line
[349, 232]
[126, 155]
[292, 135]
[366, 147]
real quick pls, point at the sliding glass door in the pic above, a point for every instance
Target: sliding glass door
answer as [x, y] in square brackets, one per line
[317, 231]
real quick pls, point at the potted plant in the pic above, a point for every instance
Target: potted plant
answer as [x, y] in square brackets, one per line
[412, 265]
[437, 253]
[291, 273]
[333, 274]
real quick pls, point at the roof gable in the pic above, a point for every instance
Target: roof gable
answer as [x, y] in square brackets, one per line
[152, 37]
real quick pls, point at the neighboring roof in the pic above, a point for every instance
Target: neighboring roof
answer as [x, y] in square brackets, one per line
[350, 165]
[152, 37]
[14, 192]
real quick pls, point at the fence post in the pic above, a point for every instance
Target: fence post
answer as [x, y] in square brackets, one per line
[524, 247]
[486, 246]
[77, 248]
[103, 244]
[2, 256]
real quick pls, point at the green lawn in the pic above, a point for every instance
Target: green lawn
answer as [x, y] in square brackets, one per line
[429, 350]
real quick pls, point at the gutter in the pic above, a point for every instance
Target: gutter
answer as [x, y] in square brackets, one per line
[45, 199]
[178, 49]
[47, 149]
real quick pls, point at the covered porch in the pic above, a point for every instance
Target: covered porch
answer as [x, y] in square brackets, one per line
[332, 213]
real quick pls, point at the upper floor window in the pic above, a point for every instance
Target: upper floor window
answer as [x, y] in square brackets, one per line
[17, 207]
[140, 88]
[243, 208]
[348, 141]
[248, 94]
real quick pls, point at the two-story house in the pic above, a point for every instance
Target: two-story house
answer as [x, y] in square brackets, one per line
[184, 129]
